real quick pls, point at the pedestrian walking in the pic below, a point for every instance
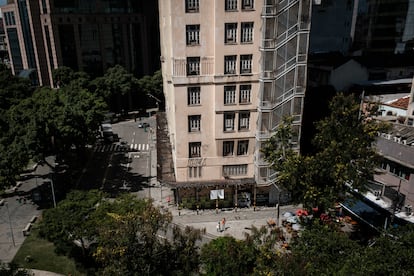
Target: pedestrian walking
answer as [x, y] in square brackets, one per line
[218, 227]
[223, 224]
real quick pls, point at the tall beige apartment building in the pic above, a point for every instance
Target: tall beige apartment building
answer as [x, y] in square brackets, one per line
[232, 69]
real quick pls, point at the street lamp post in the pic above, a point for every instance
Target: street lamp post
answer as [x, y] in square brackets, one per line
[53, 192]
[10, 224]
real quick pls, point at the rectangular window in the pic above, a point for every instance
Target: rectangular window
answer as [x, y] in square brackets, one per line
[242, 147]
[247, 4]
[194, 123]
[245, 93]
[231, 5]
[230, 94]
[230, 65]
[247, 32]
[193, 34]
[193, 95]
[230, 35]
[228, 148]
[9, 18]
[193, 66]
[244, 120]
[229, 121]
[235, 170]
[194, 149]
[192, 5]
[245, 64]
[194, 172]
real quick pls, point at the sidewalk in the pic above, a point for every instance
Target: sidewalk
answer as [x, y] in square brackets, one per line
[237, 223]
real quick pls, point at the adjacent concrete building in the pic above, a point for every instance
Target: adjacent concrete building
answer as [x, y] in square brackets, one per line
[86, 35]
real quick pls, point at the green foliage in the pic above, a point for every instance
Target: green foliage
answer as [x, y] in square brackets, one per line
[71, 220]
[183, 256]
[389, 254]
[323, 250]
[38, 253]
[152, 85]
[114, 86]
[13, 270]
[227, 256]
[64, 76]
[116, 81]
[53, 121]
[13, 158]
[344, 154]
[47, 121]
[127, 237]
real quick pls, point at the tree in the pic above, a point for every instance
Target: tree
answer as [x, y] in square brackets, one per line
[35, 121]
[81, 117]
[13, 157]
[183, 257]
[227, 256]
[265, 244]
[114, 85]
[344, 155]
[388, 254]
[280, 152]
[63, 76]
[72, 221]
[126, 233]
[152, 87]
[322, 250]
[127, 237]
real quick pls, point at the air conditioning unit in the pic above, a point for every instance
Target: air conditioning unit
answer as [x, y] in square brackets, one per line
[377, 194]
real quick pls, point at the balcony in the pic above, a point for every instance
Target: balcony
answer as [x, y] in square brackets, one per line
[263, 135]
[267, 75]
[269, 10]
[268, 44]
[265, 104]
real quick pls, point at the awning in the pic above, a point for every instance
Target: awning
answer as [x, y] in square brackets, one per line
[366, 213]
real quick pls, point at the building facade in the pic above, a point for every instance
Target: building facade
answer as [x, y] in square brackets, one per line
[85, 35]
[231, 69]
[4, 58]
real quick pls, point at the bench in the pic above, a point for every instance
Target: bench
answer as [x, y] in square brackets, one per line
[26, 230]
[33, 219]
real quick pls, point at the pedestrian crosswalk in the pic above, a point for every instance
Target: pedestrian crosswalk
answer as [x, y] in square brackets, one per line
[140, 147]
[121, 148]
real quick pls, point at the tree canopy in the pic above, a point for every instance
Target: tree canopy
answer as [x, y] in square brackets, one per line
[124, 236]
[13, 157]
[42, 122]
[344, 155]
